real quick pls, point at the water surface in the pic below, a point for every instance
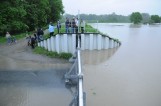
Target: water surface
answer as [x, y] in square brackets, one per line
[131, 76]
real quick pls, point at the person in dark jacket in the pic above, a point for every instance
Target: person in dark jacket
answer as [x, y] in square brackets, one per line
[33, 42]
[41, 37]
[58, 26]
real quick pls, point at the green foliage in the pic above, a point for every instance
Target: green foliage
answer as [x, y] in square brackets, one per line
[2, 40]
[56, 10]
[155, 18]
[20, 15]
[89, 28]
[136, 17]
[146, 18]
[42, 51]
[92, 18]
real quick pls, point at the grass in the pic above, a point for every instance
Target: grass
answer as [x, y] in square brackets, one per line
[90, 29]
[2, 40]
[42, 51]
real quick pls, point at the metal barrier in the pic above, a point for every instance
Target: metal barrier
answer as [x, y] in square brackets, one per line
[75, 78]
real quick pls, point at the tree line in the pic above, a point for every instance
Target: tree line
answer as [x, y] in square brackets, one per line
[93, 18]
[25, 15]
[135, 17]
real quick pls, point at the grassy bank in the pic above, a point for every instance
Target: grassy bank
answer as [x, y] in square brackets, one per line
[42, 51]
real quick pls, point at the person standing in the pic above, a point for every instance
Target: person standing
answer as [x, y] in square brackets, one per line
[8, 36]
[70, 26]
[58, 26]
[38, 34]
[73, 24]
[82, 25]
[28, 40]
[67, 25]
[33, 42]
[51, 29]
[41, 34]
[76, 25]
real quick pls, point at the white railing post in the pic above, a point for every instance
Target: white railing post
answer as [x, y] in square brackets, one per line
[82, 41]
[99, 45]
[41, 44]
[111, 43]
[91, 42]
[57, 40]
[45, 44]
[65, 43]
[106, 42]
[52, 44]
[49, 44]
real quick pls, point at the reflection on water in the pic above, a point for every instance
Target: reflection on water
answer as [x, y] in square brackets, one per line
[132, 76]
[33, 88]
[97, 57]
[135, 25]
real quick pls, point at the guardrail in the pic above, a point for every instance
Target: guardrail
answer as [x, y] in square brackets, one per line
[75, 77]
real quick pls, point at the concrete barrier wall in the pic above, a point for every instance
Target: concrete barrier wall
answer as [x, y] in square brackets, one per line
[67, 43]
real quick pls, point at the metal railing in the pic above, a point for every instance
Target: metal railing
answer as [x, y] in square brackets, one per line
[75, 78]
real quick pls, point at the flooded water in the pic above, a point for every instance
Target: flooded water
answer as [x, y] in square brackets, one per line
[129, 75]
[28, 79]
[33, 88]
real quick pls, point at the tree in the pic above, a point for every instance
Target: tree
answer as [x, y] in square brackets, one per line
[146, 18]
[12, 16]
[136, 17]
[155, 18]
[20, 15]
[56, 8]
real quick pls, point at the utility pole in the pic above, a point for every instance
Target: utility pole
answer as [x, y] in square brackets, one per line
[78, 22]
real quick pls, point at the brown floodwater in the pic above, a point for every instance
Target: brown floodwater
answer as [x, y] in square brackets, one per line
[27, 79]
[34, 88]
[129, 75]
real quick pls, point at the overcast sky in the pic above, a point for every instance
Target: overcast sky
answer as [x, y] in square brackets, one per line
[122, 7]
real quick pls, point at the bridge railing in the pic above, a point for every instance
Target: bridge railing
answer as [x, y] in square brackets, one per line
[75, 77]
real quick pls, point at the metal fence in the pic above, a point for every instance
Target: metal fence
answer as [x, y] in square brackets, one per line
[75, 78]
